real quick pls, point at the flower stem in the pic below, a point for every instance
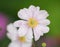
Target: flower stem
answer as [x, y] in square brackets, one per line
[33, 39]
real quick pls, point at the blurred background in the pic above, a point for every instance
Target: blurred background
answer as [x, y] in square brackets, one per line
[8, 12]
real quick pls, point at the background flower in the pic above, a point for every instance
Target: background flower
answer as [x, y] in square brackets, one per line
[3, 23]
[16, 39]
[46, 41]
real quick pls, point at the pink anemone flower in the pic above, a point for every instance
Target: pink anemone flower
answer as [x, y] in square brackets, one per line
[3, 23]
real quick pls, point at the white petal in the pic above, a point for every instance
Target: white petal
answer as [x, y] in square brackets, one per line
[27, 44]
[19, 23]
[23, 30]
[42, 14]
[38, 8]
[29, 40]
[14, 44]
[12, 29]
[29, 35]
[39, 30]
[44, 22]
[24, 14]
[34, 9]
[44, 29]
[12, 36]
[37, 33]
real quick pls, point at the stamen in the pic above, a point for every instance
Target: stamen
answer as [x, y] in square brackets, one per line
[22, 39]
[32, 22]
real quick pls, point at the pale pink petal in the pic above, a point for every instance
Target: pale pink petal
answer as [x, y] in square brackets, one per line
[14, 44]
[12, 36]
[44, 22]
[12, 32]
[24, 14]
[23, 30]
[19, 23]
[42, 14]
[11, 29]
[29, 35]
[39, 30]
[26, 44]
[37, 33]
[44, 29]
[34, 9]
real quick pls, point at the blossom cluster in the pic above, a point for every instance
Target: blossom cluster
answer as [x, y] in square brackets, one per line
[33, 24]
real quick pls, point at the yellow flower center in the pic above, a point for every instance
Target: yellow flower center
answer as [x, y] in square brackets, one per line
[22, 39]
[32, 22]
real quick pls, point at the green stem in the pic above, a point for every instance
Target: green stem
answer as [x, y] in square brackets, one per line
[33, 38]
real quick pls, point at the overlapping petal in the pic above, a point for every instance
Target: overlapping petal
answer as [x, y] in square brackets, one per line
[29, 35]
[22, 30]
[14, 44]
[37, 33]
[12, 32]
[12, 36]
[19, 23]
[44, 22]
[42, 14]
[18, 44]
[39, 30]
[24, 14]
[11, 28]
[27, 44]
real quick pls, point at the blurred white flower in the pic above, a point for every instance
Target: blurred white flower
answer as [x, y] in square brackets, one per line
[16, 39]
[33, 19]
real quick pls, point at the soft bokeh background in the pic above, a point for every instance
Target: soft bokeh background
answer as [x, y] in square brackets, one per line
[11, 7]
